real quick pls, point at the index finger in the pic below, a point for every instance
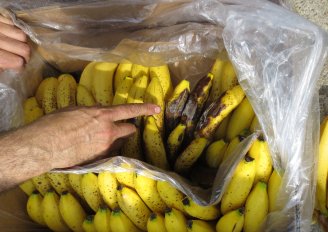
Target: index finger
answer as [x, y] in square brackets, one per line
[122, 112]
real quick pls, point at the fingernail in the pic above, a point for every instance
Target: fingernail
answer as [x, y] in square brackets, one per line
[157, 109]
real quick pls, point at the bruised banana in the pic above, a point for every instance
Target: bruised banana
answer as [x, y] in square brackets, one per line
[147, 189]
[234, 143]
[216, 70]
[218, 110]
[32, 111]
[273, 190]
[122, 91]
[215, 152]
[199, 211]
[190, 155]
[241, 119]
[126, 177]
[59, 181]
[72, 212]
[175, 105]
[170, 195]
[119, 222]
[240, 185]
[88, 224]
[220, 132]
[27, 187]
[49, 95]
[107, 184]
[66, 91]
[175, 221]
[90, 190]
[75, 183]
[229, 78]
[123, 70]
[138, 90]
[174, 142]
[233, 221]
[153, 143]
[84, 96]
[34, 208]
[51, 213]
[87, 76]
[138, 70]
[133, 206]
[156, 223]
[101, 219]
[256, 207]
[102, 83]
[199, 225]
[41, 183]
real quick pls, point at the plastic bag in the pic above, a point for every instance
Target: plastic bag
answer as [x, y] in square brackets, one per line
[277, 54]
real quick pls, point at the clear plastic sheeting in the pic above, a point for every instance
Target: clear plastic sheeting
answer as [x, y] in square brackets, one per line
[277, 54]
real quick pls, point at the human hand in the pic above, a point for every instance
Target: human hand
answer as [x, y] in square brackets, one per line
[14, 51]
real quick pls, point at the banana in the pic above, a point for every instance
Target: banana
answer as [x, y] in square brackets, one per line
[133, 206]
[174, 142]
[255, 125]
[175, 105]
[163, 75]
[59, 181]
[27, 187]
[88, 224]
[321, 192]
[175, 221]
[241, 119]
[233, 221]
[216, 70]
[154, 94]
[156, 223]
[138, 70]
[51, 214]
[170, 195]
[256, 208]
[234, 143]
[49, 96]
[90, 190]
[107, 184]
[273, 190]
[41, 183]
[39, 92]
[75, 183]
[229, 78]
[190, 155]
[122, 91]
[138, 90]
[240, 185]
[34, 208]
[102, 83]
[132, 147]
[101, 219]
[71, 211]
[261, 153]
[84, 96]
[195, 104]
[126, 177]
[199, 226]
[87, 76]
[66, 91]
[147, 189]
[123, 70]
[198, 211]
[215, 152]
[218, 110]
[32, 111]
[220, 132]
[153, 144]
[119, 222]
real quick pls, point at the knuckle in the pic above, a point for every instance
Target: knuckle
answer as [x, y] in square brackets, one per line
[18, 62]
[25, 50]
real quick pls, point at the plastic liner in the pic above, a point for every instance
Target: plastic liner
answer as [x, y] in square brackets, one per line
[277, 54]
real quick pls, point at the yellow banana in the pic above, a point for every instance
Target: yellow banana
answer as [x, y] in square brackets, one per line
[163, 75]
[190, 155]
[220, 132]
[199, 226]
[84, 96]
[51, 214]
[88, 224]
[199, 211]
[87, 76]
[34, 208]
[261, 153]
[66, 91]
[234, 143]
[233, 221]
[49, 97]
[107, 184]
[138, 90]
[133, 206]
[123, 70]
[241, 119]
[39, 92]
[229, 78]
[101, 219]
[32, 111]
[102, 83]
[215, 152]
[138, 70]
[256, 208]
[41, 183]
[147, 189]
[174, 141]
[122, 91]
[175, 105]
[27, 187]
[153, 143]
[273, 190]
[156, 223]
[170, 195]
[255, 125]
[119, 222]
[75, 183]
[71, 211]
[216, 70]
[240, 185]
[126, 177]
[132, 147]
[175, 221]
[218, 110]
[59, 181]
[90, 190]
